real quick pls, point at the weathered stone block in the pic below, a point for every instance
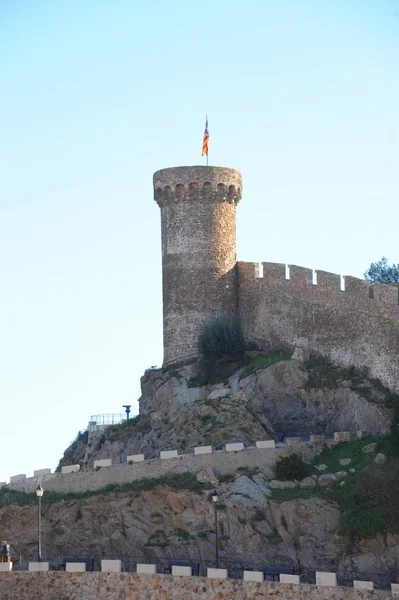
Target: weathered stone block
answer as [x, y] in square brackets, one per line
[294, 443]
[146, 569]
[5, 567]
[203, 450]
[105, 462]
[317, 440]
[75, 567]
[70, 469]
[326, 579]
[342, 436]
[363, 585]
[253, 576]
[181, 571]
[266, 444]
[135, 458]
[289, 579]
[15, 478]
[111, 566]
[41, 472]
[216, 573]
[395, 589]
[234, 447]
[38, 566]
[168, 454]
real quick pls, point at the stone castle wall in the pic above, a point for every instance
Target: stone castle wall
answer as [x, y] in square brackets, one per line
[198, 222]
[358, 326]
[129, 586]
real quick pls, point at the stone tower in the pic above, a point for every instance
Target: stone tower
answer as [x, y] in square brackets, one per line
[198, 220]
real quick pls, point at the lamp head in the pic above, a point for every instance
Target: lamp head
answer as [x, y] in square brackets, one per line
[39, 491]
[214, 496]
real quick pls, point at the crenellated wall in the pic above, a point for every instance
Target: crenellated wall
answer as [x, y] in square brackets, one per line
[357, 325]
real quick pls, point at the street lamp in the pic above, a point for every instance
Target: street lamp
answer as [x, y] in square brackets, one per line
[39, 494]
[215, 499]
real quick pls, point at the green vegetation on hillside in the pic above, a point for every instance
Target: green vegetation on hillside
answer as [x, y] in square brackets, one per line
[185, 481]
[369, 497]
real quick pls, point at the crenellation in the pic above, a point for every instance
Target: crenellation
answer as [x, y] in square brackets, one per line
[301, 276]
[273, 273]
[330, 282]
[354, 285]
[386, 294]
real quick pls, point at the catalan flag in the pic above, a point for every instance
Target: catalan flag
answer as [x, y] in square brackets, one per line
[205, 143]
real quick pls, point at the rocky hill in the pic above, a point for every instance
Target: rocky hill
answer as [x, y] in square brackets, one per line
[341, 514]
[267, 397]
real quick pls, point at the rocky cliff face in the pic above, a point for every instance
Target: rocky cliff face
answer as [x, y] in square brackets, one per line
[290, 398]
[253, 402]
[162, 523]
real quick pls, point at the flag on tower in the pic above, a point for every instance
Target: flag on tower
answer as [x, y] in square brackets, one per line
[206, 139]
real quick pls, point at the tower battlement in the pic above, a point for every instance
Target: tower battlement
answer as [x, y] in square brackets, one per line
[197, 183]
[198, 222]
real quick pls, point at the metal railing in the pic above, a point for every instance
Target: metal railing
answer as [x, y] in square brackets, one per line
[108, 419]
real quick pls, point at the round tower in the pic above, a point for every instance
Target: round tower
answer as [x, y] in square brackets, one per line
[198, 220]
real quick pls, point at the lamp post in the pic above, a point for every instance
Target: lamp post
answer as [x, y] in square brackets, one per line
[215, 499]
[39, 494]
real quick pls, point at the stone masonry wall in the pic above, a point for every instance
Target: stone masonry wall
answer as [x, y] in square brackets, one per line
[130, 586]
[223, 463]
[358, 326]
[198, 221]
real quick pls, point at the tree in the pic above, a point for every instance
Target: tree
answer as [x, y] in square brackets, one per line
[221, 337]
[382, 272]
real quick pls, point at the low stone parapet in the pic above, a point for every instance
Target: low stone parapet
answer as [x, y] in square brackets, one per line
[317, 440]
[395, 589]
[363, 585]
[253, 576]
[41, 472]
[146, 569]
[111, 566]
[326, 579]
[216, 573]
[17, 478]
[202, 450]
[5, 566]
[105, 462]
[266, 444]
[342, 436]
[286, 578]
[235, 447]
[38, 566]
[70, 469]
[294, 443]
[168, 454]
[133, 458]
[182, 571]
[75, 567]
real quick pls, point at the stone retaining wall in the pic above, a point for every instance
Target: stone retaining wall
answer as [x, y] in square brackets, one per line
[131, 586]
[263, 455]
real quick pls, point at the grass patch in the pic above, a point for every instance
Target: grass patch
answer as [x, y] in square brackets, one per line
[257, 363]
[369, 498]
[185, 481]
[183, 534]
[353, 450]
[274, 538]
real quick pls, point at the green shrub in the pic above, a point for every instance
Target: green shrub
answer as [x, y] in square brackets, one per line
[291, 467]
[221, 337]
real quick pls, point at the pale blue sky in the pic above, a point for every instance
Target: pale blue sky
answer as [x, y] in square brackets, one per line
[302, 97]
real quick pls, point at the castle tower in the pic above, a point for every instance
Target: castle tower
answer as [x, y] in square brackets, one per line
[198, 220]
